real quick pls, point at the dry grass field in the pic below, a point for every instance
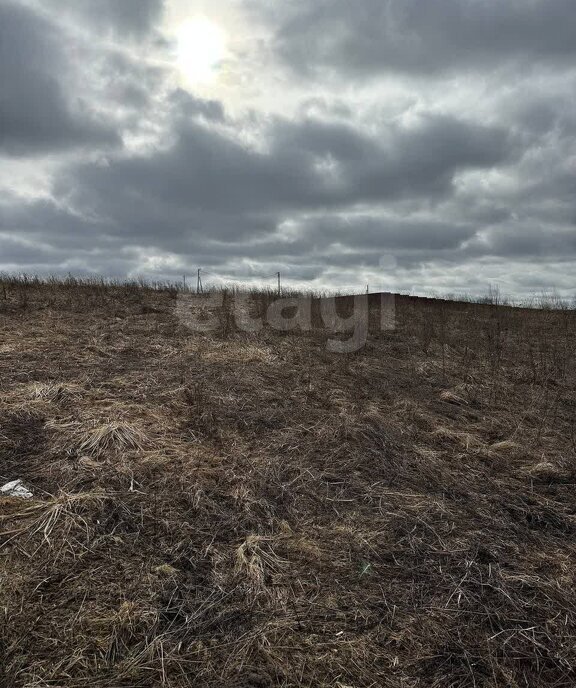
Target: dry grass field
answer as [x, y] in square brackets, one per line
[236, 510]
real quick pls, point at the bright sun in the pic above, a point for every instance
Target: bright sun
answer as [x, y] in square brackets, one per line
[201, 47]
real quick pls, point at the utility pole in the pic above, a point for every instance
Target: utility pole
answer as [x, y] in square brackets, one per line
[199, 282]
[184, 280]
[279, 286]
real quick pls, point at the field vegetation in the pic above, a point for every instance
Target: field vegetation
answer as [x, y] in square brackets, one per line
[249, 510]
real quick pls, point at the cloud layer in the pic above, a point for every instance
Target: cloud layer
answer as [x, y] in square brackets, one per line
[425, 147]
[369, 37]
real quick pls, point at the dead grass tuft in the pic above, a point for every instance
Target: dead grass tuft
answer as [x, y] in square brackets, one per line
[257, 562]
[112, 437]
[64, 513]
[505, 446]
[54, 392]
[548, 472]
[452, 397]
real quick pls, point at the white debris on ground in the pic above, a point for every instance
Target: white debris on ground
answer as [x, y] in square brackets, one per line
[16, 489]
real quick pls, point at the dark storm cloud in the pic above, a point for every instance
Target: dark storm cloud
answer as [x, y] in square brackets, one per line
[209, 196]
[462, 175]
[207, 183]
[121, 17]
[401, 161]
[21, 253]
[388, 234]
[188, 106]
[411, 36]
[37, 114]
[525, 241]
[208, 199]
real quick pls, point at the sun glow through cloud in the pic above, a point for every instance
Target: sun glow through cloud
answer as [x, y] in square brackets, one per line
[201, 48]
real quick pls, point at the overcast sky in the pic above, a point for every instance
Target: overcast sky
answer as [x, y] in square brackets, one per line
[424, 146]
